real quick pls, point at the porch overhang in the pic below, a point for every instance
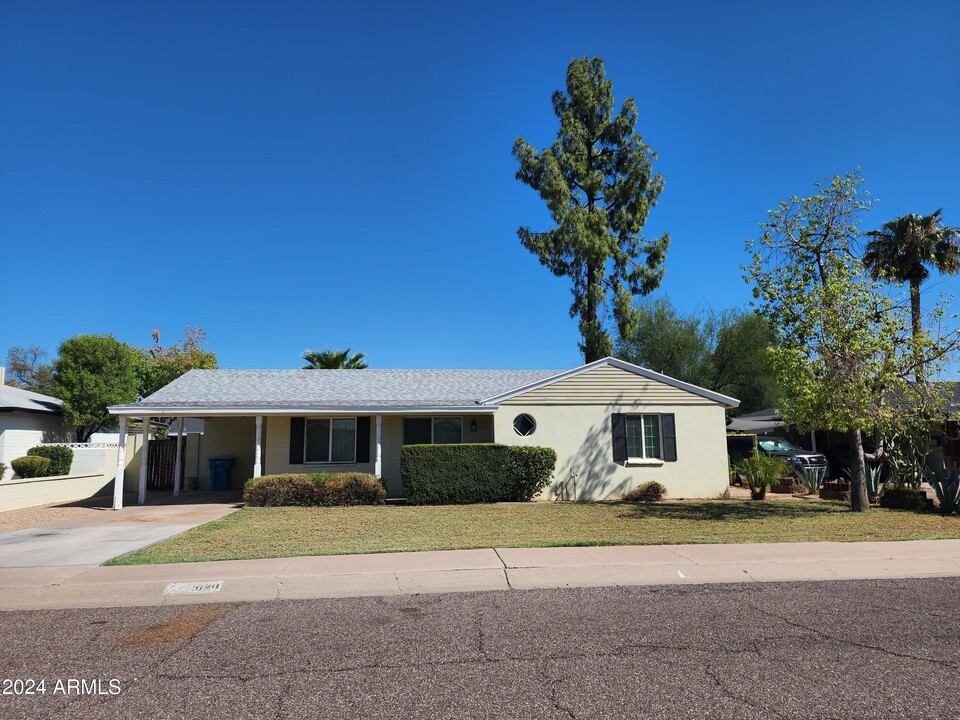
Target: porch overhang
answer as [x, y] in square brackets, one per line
[136, 410]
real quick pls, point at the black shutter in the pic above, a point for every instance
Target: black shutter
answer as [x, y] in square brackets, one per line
[363, 439]
[668, 431]
[296, 440]
[618, 426]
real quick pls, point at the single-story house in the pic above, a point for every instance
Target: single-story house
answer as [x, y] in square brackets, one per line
[27, 419]
[614, 425]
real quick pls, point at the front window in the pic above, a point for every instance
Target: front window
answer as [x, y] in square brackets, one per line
[643, 437]
[330, 440]
[432, 431]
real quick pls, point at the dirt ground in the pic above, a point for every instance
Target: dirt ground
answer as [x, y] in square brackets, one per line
[43, 515]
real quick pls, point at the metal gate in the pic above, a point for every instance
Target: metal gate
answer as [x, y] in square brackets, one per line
[161, 462]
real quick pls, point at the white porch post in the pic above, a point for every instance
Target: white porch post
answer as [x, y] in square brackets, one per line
[379, 461]
[258, 450]
[176, 471]
[121, 465]
[144, 451]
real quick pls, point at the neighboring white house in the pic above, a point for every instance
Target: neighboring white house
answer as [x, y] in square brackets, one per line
[27, 419]
[614, 425]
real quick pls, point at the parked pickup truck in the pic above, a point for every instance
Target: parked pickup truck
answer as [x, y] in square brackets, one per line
[740, 446]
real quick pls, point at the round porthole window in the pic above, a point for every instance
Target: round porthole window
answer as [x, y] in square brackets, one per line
[524, 425]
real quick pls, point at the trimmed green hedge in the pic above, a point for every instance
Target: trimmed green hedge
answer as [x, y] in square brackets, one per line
[474, 473]
[60, 456]
[317, 490]
[31, 466]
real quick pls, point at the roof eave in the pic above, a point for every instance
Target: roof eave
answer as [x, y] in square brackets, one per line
[137, 410]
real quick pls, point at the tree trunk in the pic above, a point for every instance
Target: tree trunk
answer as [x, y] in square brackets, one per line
[916, 321]
[590, 350]
[859, 502]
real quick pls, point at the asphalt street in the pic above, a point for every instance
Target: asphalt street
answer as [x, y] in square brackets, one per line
[850, 649]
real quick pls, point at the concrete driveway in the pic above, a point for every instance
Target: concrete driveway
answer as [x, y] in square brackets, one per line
[92, 540]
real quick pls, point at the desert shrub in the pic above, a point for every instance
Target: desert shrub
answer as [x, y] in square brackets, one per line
[650, 491]
[320, 489]
[474, 473]
[31, 466]
[760, 471]
[60, 456]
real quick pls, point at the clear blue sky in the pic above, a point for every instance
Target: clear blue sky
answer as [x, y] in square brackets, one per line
[301, 175]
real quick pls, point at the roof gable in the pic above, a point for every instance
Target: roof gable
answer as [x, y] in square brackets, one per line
[610, 362]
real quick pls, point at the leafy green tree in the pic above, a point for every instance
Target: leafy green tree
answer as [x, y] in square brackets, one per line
[843, 349]
[334, 360]
[741, 362]
[667, 342]
[28, 369]
[159, 366]
[91, 373]
[904, 250]
[726, 352]
[598, 182]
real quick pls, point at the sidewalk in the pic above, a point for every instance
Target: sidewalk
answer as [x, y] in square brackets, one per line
[469, 571]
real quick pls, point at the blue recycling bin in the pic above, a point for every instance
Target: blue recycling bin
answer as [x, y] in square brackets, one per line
[220, 469]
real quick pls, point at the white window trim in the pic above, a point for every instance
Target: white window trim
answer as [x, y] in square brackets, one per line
[329, 442]
[432, 421]
[644, 460]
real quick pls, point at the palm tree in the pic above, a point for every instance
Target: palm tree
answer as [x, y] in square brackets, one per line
[334, 360]
[904, 249]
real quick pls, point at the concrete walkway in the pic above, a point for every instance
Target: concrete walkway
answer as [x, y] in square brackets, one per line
[91, 540]
[469, 570]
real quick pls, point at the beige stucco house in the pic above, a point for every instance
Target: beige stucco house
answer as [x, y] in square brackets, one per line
[27, 419]
[614, 425]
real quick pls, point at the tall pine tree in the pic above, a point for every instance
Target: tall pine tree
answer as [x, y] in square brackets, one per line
[598, 182]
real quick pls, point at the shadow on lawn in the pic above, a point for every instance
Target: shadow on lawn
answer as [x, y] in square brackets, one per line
[724, 511]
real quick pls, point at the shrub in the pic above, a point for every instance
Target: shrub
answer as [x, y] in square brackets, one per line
[350, 489]
[31, 466]
[946, 484]
[474, 473]
[60, 456]
[761, 471]
[3, 470]
[321, 489]
[532, 469]
[650, 491]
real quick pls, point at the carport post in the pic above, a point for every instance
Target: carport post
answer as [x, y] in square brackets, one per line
[176, 470]
[377, 465]
[257, 450]
[121, 465]
[144, 451]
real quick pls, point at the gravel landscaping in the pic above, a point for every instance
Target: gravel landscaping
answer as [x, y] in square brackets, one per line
[44, 515]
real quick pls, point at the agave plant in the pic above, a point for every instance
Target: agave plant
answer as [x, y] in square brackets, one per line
[946, 483]
[876, 484]
[811, 477]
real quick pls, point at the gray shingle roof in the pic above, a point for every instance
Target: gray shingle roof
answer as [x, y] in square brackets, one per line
[339, 388]
[12, 399]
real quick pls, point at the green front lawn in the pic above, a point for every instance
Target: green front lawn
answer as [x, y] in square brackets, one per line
[286, 532]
